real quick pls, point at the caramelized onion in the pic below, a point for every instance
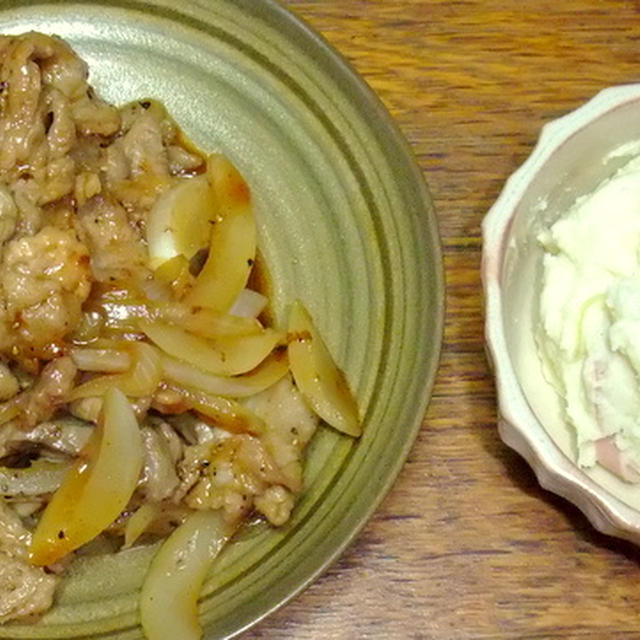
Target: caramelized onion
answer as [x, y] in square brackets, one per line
[222, 412]
[209, 324]
[184, 374]
[224, 357]
[180, 220]
[141, 380]
[139, 522]
[316, 375]
[96, 489]
[110, 360]
[232, 247]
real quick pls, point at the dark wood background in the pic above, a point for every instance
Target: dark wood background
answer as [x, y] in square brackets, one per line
[467, 545]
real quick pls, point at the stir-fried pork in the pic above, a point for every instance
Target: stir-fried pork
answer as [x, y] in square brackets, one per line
[78, 180]
[45, 280]
[24, 589]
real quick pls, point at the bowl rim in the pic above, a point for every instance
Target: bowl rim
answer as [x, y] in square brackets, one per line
[518, 425]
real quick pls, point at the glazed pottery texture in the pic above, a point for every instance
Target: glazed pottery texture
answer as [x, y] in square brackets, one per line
[345, 224]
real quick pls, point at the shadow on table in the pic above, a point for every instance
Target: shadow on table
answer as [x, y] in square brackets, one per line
[522, 476]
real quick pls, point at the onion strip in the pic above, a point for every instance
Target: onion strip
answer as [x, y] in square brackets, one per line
[10, 409]
[316, 375]
[248, 304]
[232, 248]
[184, 374]
[169, 596]
[141, 380]
[209, 324]
[139, 522]
[110, 360]
[96, 489]
[223, 357]
[223, 412]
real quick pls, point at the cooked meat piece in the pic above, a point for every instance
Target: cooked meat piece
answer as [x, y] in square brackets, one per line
[8, 214]
[61, 133]
[150, 108]
[159, 479]
[227, 473]
[182, 161]
[57, 173]
[36, 127]
[290, 425]
[26, 193]
[45, 105]
[276, 504]
[45, 279]
[87, 185]
[139, 195]
[116, 248]
[50, 391]
[66, 436]
[172, 440]
[24, 589]
[22, 126]
[115, 165]
[14, 538]
[62, 69]
[143, 147]
[191, 429]
[93, 116]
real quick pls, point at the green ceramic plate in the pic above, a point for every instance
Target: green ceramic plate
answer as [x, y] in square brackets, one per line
[345, 223]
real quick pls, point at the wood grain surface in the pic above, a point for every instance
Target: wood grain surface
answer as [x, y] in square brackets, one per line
[467, 545]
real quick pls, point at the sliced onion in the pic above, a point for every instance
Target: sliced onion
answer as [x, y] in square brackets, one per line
[110, 360]
[175, 274]
[232, 247]
[89, 328]
[169, 597]
[317, 376]
[141, 380]
[139, 522]
[248, 304]
[180, 220]
[156, 290]
[223, 412]
[184, 374]
[169, 270]
[209, 324]
[38, 478]
[96, 489]
[224, 357]
[9, 410]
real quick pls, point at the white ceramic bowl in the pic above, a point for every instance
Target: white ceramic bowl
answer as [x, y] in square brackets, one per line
[574, 154]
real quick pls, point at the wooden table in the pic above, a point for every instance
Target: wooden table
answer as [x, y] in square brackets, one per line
[467, 545]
